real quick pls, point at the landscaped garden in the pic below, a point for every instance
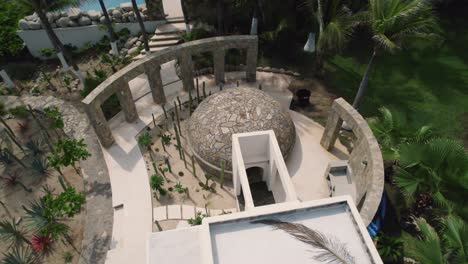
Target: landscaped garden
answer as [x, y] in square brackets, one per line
[415, 99]
[41, 193]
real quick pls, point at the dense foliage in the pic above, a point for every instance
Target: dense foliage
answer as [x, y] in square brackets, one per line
[10, 13]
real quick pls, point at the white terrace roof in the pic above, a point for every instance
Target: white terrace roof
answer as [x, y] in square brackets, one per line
[234, 238]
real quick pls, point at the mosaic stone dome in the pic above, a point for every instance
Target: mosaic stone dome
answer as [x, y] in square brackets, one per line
[236, 110]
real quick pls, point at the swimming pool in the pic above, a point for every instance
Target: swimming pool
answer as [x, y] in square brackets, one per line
[94, 4]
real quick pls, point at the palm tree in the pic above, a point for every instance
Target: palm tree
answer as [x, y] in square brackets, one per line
[108, 22]
[393, 24]
[434, 171]
[336, 24]
[11, 233]
[185, 13]
[19, 256]
[142, 26]
[41, 7]
[429, 247]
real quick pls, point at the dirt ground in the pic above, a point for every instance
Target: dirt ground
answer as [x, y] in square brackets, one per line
[222, 198]
[14, 197]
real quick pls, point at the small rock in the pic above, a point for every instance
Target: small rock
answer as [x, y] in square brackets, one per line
[74, 13]
[84, 21]
[23, 24]
[94, 23]
[141, 38]
[52, 16]
[73, 23]
[138, 43]
[63, 22]
[126, 7]
[103, 19]
[117, 14]
[31, 17]
[133, 51]
[141, 7]
[144, 11]
[110, 10]
[34, 25]
[131, 18]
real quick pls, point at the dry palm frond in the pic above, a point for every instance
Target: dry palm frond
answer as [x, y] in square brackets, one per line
[328, 250]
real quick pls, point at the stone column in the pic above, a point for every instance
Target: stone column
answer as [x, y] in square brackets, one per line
[126, 102]
[332, 129]
[219, 62]
[251, 69]
[186, 70]
[153, 72]
[99, 122]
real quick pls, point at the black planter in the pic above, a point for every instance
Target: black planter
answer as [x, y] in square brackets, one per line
[303, 96]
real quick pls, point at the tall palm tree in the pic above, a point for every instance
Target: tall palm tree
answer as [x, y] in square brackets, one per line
[41, 7]
[185, 14]
[437, 169]
[110, 29]
[336, 23]
[429, 247]
[142, 26]
[393, 24]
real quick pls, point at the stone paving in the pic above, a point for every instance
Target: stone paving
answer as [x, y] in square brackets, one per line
[237, 110]
[185, 212]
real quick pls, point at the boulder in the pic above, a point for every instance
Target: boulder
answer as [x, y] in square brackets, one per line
[94, 23]
[31, 17]
[126, 7]
[138, 43]
[117, 14]
[141, 7]
[131, 18]
[84, 21]
[74, 13]
[53, 25]
[23, 24]
[103, 19]
[94, 15]
[130, 42]
[144, 11]
[133, 51]
[110, 10]
[73, 23]
[63, 22]
[34, 25]
[52, 16]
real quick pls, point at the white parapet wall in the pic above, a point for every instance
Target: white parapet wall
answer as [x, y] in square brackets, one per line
[35, 40]
[260, 149]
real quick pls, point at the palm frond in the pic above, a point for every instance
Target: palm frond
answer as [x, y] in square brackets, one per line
[19, 255]
[12, 233]
[455, 236]
[329, 250]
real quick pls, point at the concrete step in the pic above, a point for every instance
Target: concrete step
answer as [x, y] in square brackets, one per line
[166, 37]
[163, 43]
[170, 29]
[175, 20]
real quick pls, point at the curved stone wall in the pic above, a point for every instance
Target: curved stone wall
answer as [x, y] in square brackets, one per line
[365, 160]
[151, 65]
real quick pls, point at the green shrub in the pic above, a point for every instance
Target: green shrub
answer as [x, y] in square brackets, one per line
[10, 13]
[197, 220]
[47, 52]
[19, 111]
[145, 140]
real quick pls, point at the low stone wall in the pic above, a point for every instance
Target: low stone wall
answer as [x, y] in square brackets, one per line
[151, 65]
[99, 216]
[365, 160]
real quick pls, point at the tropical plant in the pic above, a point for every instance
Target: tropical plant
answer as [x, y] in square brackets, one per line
[36, 147]
[53, 114]
[390, 248]
[394, 23]
[166, 139]
[40, 166]
[326, 248]
[12, 233]
[12, 179]
[42, 221]
[157, 183]
[67, 257]
[437, 170]
[67, 152]
[145, 140]
[180, 189]
[5, 157]
[42, 244]
[23, 126]
[142, 26]
[114, 61]
[429, 247]
[66, 204]
[197, 220]
[393, 129]
[10, 13]
[19, 255]
[20, 111]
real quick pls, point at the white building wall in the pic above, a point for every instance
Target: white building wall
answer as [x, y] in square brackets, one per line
[35, 40]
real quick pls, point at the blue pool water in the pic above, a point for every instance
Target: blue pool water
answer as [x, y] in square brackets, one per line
[94, 4]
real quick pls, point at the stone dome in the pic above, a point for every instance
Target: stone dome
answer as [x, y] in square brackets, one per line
[236, 110]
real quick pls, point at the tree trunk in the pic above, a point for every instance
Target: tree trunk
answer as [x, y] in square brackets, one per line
[142, 26]
[254, 26]
[110, 29]
[58, 45]
[185, 13]
[364, 82]
[220, 11]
